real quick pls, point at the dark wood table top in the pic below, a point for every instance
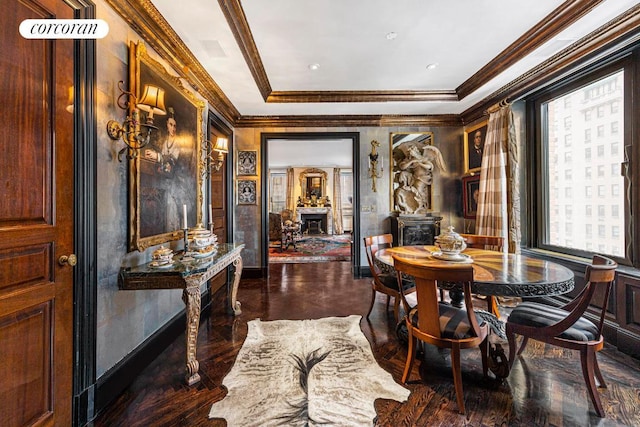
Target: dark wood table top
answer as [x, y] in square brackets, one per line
[496, 273]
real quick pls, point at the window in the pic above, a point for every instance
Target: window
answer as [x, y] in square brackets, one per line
[278, 191]
[615, 169]
[615, 127]
[601, 95]
[615, 107]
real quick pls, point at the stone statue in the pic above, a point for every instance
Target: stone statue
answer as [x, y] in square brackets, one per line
[414, 176]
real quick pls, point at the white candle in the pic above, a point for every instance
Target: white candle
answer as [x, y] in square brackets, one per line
[381, 163]
[184, 216]
[210, 213]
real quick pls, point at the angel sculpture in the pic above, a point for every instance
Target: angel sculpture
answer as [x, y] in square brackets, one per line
[414, 177]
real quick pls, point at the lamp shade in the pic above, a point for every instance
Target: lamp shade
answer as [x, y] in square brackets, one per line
[222, 145]
[152, 100]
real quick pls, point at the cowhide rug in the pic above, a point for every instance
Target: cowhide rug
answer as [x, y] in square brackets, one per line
[305, 372]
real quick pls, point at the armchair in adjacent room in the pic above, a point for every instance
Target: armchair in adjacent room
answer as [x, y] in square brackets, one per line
[290, 230]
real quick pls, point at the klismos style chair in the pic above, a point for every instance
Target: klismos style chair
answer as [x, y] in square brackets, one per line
[385, 283]
[567, 326]
[440, 324]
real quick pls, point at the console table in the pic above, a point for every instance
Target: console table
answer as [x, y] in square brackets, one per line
[415, 230]
[189, 274]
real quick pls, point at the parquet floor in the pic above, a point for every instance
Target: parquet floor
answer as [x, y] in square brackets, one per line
[545, 388]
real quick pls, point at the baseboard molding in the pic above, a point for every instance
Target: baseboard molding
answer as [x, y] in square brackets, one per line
[254, 273]
[110, 385]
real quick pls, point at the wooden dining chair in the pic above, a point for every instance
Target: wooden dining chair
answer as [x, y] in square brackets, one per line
[567, 326]
[385, 283]
[440, 324]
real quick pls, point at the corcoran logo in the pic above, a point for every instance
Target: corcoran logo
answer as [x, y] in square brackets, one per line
[64, 28]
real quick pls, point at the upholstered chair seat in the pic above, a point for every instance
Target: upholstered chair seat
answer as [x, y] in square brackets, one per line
[454, 322]
[541, 315]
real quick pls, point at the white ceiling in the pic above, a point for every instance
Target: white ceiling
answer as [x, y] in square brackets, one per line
[325, 153]
[347, 38]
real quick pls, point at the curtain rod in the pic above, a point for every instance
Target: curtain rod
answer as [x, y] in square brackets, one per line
[495, 107]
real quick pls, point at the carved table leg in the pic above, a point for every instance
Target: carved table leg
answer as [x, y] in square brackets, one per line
[191, 298]
[234, 304]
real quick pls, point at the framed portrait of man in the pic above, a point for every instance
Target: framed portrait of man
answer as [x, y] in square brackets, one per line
[470, 194]
[474, 140]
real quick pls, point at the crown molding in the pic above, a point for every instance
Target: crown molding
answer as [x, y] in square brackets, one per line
[349, 121]
[362, 96]
[564, 15]
[616, 34]
[148, 22]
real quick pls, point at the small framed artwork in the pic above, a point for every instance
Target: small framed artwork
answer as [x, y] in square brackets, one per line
[470, 193]
[246, 192]
[474, 139]
[247, 161]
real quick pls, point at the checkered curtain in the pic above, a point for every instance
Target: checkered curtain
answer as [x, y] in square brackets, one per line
[499, 200]
[290, 190]
[337, 202]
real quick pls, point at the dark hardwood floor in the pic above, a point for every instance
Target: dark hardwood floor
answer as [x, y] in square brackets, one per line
[545, 387]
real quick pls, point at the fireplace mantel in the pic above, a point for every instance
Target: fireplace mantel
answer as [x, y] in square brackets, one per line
[326, 211]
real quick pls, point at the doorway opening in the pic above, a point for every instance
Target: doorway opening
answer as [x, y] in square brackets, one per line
[309, 177]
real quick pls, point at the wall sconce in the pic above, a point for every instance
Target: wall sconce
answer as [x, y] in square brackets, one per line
[374, 159]
[130, 131]
[210, 161]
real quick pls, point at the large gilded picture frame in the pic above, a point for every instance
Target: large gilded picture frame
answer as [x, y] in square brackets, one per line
[165, 176]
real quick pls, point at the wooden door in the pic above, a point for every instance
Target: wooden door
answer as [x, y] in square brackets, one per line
[218, 200]
[36, 220]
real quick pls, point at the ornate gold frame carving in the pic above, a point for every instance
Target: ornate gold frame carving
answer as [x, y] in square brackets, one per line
[171, 181]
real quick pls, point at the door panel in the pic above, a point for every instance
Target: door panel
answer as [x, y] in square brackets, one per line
[36, 220]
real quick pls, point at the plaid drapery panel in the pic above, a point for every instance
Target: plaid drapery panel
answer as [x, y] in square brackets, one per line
[498, 202]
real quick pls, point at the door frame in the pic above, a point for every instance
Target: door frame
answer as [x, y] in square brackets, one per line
[85, 221]
[264, 177]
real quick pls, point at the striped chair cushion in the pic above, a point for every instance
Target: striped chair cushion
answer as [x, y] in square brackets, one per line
[542, 315]
[454, 323]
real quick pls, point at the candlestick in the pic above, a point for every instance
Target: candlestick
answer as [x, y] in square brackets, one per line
[186, 240]
[184, 217]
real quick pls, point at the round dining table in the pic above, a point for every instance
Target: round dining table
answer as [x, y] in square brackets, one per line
[494, 273]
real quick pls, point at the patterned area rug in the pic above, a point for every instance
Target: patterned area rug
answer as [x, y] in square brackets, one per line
[316, 248]
[305, 373]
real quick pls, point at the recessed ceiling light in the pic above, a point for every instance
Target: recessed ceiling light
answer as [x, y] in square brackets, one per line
[432, 66]
[391, 35]
[314, 67]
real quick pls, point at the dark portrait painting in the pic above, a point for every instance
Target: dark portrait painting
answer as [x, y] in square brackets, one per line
[167, 168]
[474, 147]
[470, 194]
